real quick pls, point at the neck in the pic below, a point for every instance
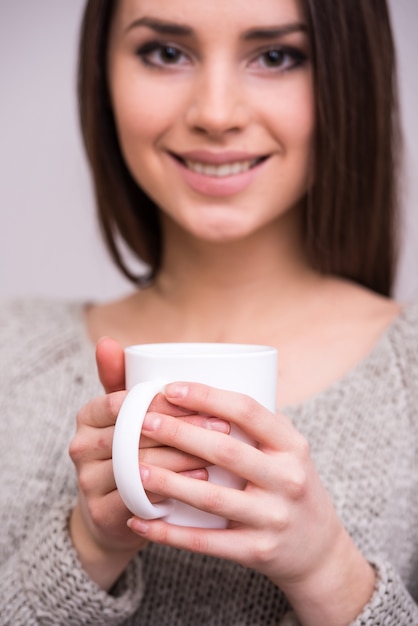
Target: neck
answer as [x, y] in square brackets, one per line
[221, 288]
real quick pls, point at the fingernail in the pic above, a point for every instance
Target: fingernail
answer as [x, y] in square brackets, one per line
[175, 390]
[138, 525]
[199, 474]
[151, 422]
[213, 423]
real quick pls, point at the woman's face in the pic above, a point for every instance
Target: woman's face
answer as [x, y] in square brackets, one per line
[213, 102]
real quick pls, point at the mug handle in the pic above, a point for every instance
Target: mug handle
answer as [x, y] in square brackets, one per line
[125, 451]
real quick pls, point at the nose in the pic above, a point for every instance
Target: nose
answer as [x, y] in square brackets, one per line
[218, 104]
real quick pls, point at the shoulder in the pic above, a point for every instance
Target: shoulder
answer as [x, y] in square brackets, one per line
[408, 319]
[35, 332]
[359, 318]
[34, 308]
[394, 361]
[33, 316]
[403, 336]
[393, 329]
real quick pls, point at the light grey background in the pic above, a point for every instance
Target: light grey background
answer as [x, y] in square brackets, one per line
[49, 240]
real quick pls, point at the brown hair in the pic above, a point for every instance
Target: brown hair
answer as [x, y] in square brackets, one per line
[350, 214]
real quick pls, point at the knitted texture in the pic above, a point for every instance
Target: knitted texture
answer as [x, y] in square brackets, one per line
[363, 433]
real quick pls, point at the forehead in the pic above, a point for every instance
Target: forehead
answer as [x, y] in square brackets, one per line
[232, 15]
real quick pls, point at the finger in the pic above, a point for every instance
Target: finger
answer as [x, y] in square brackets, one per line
[170, 458]
[111, 369]
[231, 504]
[216, 448]
[90, 445]
[203, 421]
[160, 404]
[107, 511]
[272, 431]
[110, 364]
[96, 478]
[240, 544]
[285, 470]
[102, 411]
[195, 474]
[96, 481]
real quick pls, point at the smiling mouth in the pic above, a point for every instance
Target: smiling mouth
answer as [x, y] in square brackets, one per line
[220, 171]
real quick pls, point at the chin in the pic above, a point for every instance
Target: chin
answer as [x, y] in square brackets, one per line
[221, 225]
[221, 232]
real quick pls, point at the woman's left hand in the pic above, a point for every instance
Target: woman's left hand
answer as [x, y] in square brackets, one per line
[282, 524]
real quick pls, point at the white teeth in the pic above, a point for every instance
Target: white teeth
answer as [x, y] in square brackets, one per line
[220, 171]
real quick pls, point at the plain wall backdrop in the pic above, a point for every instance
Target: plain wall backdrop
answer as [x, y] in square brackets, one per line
[49, 239]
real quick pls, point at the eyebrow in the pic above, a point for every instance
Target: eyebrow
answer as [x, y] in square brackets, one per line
[274, 32]
[160, 26]
[172, 28]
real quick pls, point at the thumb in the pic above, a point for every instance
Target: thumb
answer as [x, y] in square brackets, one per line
[110, 364]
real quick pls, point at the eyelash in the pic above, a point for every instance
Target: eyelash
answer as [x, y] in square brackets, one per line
[147, 52]
[295, 57]
[149, 49]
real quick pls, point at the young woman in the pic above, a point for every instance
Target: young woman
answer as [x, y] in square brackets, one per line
[247, 153]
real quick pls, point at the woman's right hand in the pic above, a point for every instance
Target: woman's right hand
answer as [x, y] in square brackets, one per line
[98, 528]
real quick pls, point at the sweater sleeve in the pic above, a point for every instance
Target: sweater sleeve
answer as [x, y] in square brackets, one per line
[43, 583]
[390, 604]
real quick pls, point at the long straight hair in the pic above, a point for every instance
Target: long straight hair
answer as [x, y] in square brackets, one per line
[352, 216]
[351, 213]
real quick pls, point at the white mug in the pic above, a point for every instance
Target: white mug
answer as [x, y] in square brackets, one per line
[248, 369]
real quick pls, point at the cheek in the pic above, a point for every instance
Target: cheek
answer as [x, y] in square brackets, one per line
[300, 122]
[298, 136]
[136, 119]
[141, 110]
[292, 123]
[292, 118]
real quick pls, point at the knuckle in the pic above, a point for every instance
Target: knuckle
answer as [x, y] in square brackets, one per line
[161, 534]
[227, 452]
[302, 447]
[76, 449]
[162, 485]
[199, 544]
[250, 406]
[247, 409]
[177, 430]
[102, 446]
[213, 500]
[201, 393]
[297, 484]
[95, 509]
[81, 416]
[263, 549]
[295, 477]
[207, 393]
[112, 404]
[157, 482]
[84, 481]
[279, 518]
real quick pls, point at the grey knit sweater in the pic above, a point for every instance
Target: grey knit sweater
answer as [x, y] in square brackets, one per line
[363, 433]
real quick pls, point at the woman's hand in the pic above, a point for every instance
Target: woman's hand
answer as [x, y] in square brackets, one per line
[98, 523]
[283, 524]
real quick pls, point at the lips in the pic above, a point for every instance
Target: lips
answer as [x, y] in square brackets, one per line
[218, 174]
[218, 165]
[220, 171]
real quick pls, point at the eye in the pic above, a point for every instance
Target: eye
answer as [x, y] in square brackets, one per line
[282, 58]
[274, 58]
[161, 55]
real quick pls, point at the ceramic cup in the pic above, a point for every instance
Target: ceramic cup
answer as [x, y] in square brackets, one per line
[249, 369]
